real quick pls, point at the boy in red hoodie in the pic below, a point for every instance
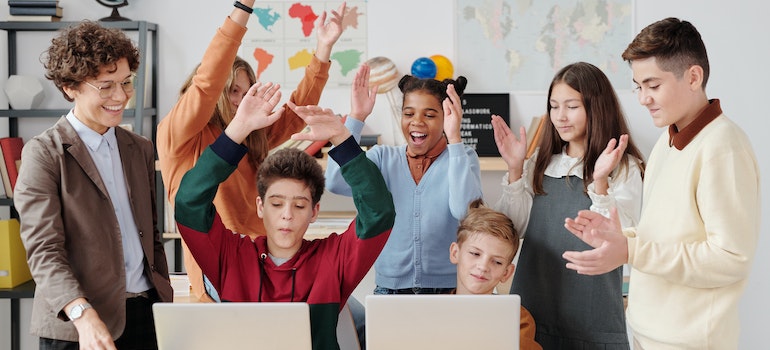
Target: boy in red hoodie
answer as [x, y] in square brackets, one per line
[282, 266]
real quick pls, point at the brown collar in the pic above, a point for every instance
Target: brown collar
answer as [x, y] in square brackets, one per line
[681, 138]
[418, 165]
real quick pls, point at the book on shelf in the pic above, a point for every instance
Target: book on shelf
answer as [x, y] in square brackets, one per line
[11, 148]
[33, 3]
[12, 18]
[369, 140]
[534, 133]
[36, 11]
[291, 143]
[315, 148]
[6, 181]
[2, 188]
[169, 224]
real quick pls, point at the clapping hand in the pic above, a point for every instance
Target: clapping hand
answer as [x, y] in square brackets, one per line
[610, 157]
[512, 150]
[453, 115]
[605, 235]
[323, 123]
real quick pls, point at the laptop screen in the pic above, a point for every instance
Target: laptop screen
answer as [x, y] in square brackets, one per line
[442, 322]
[232, 325]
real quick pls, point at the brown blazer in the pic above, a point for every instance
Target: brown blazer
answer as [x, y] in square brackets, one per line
[71, 233]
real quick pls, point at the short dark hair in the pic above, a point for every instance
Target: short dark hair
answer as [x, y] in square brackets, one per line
[675, 44]
[481, 219]
[291, 163]
[80, 51]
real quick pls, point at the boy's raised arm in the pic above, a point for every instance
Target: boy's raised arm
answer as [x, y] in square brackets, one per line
[376, 212]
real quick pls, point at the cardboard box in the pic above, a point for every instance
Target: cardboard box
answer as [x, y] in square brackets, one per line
[14, 269]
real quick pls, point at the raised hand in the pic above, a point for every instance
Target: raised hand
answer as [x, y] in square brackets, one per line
[453, 115]
[323, 123]
[362, 97]
[605, 235]
[328, 32]
[255, 111]
[610, 157]
[512, 150]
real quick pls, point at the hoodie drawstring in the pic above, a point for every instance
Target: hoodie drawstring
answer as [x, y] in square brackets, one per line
[293, 280]
[262, 258]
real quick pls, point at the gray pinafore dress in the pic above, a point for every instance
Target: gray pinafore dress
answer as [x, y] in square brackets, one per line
[571, 311]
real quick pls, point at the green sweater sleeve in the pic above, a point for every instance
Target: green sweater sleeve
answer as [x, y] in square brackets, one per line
[194, 203]
[376, 212]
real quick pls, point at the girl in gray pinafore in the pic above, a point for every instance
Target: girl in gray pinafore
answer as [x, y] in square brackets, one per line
[584, 160]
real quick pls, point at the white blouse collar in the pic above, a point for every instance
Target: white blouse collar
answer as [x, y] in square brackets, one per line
[562, 165]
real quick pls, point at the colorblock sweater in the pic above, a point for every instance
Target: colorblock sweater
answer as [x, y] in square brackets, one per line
[323, 273]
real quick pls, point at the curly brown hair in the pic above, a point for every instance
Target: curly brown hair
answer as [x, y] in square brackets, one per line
[81, 51]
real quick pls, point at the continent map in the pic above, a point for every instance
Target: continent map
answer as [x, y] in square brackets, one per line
[280, 43]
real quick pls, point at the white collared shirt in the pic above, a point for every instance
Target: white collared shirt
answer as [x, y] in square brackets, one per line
[106, 156]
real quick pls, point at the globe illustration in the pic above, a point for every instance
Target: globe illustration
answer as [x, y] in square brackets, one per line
[444, 68]
[383, 72]
[424, 68]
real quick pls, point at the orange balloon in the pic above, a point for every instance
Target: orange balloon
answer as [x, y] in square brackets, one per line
[444, 68]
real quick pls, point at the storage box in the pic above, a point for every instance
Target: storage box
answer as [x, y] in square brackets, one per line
[13, 258]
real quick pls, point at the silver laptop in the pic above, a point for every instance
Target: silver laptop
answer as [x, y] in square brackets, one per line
[232, 326]
[442, 322]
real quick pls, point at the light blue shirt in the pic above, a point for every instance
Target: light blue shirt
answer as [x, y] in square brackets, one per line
[106, 156]
[427, 214]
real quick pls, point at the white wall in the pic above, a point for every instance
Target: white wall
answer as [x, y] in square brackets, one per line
[403, 30]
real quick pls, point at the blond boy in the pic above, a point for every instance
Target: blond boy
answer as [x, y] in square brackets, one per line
[486, 245]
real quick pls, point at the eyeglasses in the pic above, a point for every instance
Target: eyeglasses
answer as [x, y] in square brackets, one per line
[107, 88]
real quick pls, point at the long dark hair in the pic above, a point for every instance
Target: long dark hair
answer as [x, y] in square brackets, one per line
[604, 120]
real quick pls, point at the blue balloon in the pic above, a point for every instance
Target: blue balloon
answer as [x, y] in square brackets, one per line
[424, 68]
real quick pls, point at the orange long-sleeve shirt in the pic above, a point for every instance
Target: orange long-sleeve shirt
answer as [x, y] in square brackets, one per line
[527, 332]
[185, 131]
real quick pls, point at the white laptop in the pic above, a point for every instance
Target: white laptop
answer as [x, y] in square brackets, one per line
[442, 322]
[192, 326]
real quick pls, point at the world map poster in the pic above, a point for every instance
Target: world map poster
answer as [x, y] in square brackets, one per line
[281, 40]
[518, 45]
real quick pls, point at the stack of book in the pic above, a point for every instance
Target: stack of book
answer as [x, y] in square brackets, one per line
[34, 10]
[10, 162]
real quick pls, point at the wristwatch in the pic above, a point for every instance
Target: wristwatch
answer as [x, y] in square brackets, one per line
[77, 311]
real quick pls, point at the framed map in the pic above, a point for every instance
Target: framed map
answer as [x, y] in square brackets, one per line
[518, 45]
[280, 42]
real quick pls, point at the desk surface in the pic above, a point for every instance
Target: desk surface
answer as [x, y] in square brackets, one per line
[24, 290]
